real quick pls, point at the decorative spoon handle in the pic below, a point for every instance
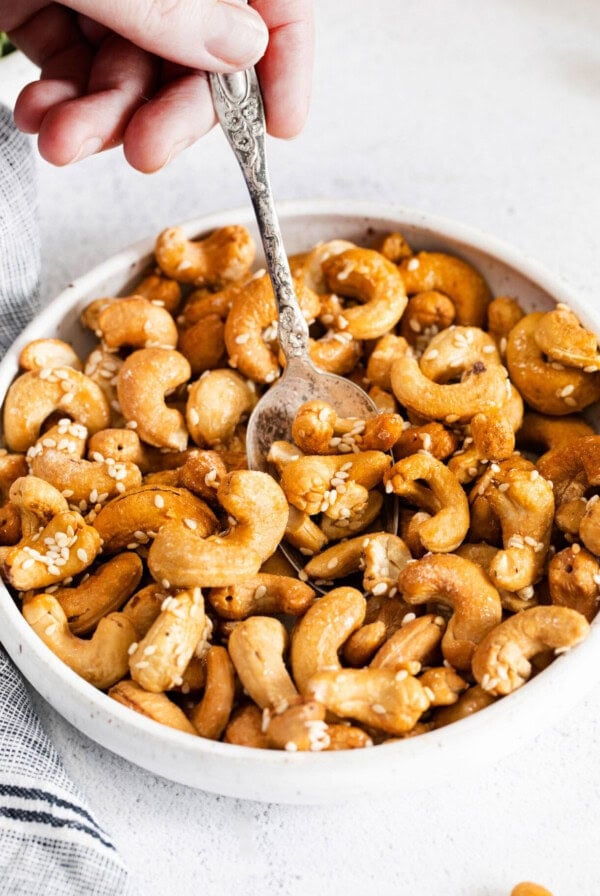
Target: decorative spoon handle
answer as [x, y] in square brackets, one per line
[239, 106]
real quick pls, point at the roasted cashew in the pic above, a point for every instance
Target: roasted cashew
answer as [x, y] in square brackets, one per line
[358, 520]
[35, 395]
[383, 618]
[431, 437]
[134, 518]
[483, 388]
[412, 645]
[367, 276]
[492, 439]
[216, 404]
[262, 595]
[382, 357]
[589, 527]
[123, 445]
[300, 727]
[103, 367]
[12, 467]
[540, 432]
[446, 529]
[455, 350]
[574, 580]
[309, 482]
[336, 351]
[527, 888]
[136, 322]
[256, 647]
[226, 254]
[303, 533]
[454, 277]
[159, 659]
[102, 660]
[211, 715]
[143, 608]
[445, 685]
[186, 558]
[251, 328]
[501, 661]
[503, 314]
[245, 728]
[548, 386]
[461, 585]
[523, 502]
[203, 343]
[381, 698]
[426, 314]
[308, 266]
[160, 290]
[473, 700]
[157, 707]
[41, 353]
[146, 377]
[393, 246]
[380, 556]
[483, 555]
[572, 467]
[321, 632]
[563, 338]
[104, 591]
[317, 429]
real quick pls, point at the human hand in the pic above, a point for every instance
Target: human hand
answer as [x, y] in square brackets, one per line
[135, 73]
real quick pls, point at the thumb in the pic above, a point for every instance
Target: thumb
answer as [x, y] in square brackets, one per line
[212, 35]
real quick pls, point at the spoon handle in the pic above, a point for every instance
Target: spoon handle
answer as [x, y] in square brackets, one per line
[239, 107]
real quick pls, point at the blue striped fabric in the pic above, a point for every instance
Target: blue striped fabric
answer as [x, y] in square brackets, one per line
[50, 843]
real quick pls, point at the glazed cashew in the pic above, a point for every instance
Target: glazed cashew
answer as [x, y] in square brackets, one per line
[383, 618]
[226, 254]
[523, 502]
[300, 727]
[245, 728]
[501, 661]
[473, 700]
[104, 591]
[548, 386]
[143, 608]
[262, 595]
[317, 429]
[431, 437]
[160, 290]
[572, 467]
[412, 645]
[563, 338]
[589, 527]
[455, 350]
[159, 659]
[35, 395]
[303, 533]
[483, 555]
[203, 343]
[41, 353]
[367, 276]
[540, 432]
[381, 698]
[452, 276]
[461, 585]
[157, 707]
[146, 377]
[483, 388]
[503, 314]
[186, 558]
[336, 351]
[308, 266]
[382, 357]
[574, 580]
[136, 322]
[308, 482]
[216, 404]
[102, 660]
[449, 524]
[256, 646]
[426, 314]
[211, 715]
[103, 367]
[12, 467]
[445, 685]
[135, 517]
[527, 888]
[322, 630]
[380, 556]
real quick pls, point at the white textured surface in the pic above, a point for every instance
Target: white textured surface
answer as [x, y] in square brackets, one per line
[488, 113]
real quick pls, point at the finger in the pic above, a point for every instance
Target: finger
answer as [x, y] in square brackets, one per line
[213, 35]
[13, 15]
[47, 33]
[121, 78]
[174, 119]
[92, 31]
[285, 72]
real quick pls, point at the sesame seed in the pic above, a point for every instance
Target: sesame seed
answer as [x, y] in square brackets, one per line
[159, 501]
[165, 584]
[379, 588]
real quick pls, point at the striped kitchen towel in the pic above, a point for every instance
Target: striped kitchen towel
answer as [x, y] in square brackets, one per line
[50, 844]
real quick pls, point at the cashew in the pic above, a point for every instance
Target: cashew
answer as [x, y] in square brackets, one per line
[203, 343]
[539, 432]
[35, 395]
[381, 698]
[336, 351]
[102, 660]
[160, 290]
[548, 386]
[445, 685]
[136, 517]
[452, 276]
[185, 557]
[216, 403]
[589, 527]
[309, 481]
[380, 555]
[572, 467]
[245, 728]
[256, 646]
[483, 555]
[426, 314]
[104, 591]
[483, 388]
[503, 314]
[366, 275]
[359, 519]
[431, 437]
[322, 630]
[262, 595]
[501, 661]
[383, 618]
[41, 353]
[211, 715]
[226, 254]
[144, 607]
[382, 357]
[157, 707]
[303, 533]
[158, 662]
[146, 376]
[308, 266]
[102, 367]
[455, 350]
[136, 322]
[300, 727]
[446, 529]
[562, 337]
[527, 888]
[473, 700]
[461, 585]
[412, 645]
[573, 579]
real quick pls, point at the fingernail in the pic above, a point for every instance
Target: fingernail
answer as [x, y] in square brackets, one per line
[236, 34]
[88, 148]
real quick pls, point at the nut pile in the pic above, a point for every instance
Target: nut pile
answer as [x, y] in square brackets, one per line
[145, 554]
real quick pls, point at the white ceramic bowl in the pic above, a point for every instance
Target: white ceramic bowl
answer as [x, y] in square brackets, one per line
[278, 775]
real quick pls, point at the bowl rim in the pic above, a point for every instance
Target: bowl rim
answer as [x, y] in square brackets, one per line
[576, 673]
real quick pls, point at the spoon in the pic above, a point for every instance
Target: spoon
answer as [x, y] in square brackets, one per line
[239, 106]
